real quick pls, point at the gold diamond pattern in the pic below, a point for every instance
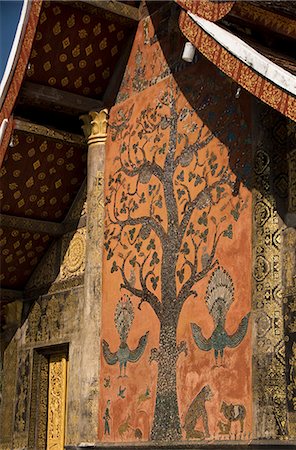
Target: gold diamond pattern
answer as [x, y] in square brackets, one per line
[36, 164]
[81, 42]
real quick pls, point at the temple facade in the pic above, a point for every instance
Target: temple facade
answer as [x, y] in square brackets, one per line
[148, 214]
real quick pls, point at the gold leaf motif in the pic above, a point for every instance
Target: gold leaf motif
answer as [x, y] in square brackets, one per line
[82, 64]
[92, 78]
[50, 157]
[114, 50]
[60, 161]
[66, 42]
[29, 212]
[30, 182]
[45, 238]
[36, 164]
[44, 213]
[52, 81]
[13, 186]
[58, 184]
[15, 233]
[53, 201]
[65, 81]
[86, 19]
[103, 44]
[76, 51]
[16, 156]
[2, 171]
[70, 67]
[16, 245]
[41, 176]
[31, 152]
[44, 188]
[56, 10]
[69, 153]
[58, 214]
[97, 29]
[34, 54]
[70, 167]
[106, 73]
[71, 21]
[21, 203]
[6, 208]
[82, 33]
[86, 91]
[3, 241]
[47, 48]
[57, 29]
[52, 170]
[74, 181]
[88, 50]
[120, 35]
[63, 57]
[98, 90]
[78, 82]
[5, 252]
[8, 259]
[38, 36]
[16, 173]
[40, 202]
[66, 198]
[111, 28]
[33, 198]
[43, 146]
[98, 62]
[43, 18]
[47, 66]
[17, 195]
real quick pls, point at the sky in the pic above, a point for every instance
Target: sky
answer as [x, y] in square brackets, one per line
[10, 11]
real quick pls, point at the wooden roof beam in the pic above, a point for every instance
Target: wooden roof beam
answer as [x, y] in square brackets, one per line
[115, 7]
[30, 127]
[61, 101]
[34, 225]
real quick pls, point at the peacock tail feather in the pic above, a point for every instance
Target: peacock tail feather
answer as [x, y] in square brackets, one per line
[219, 294]
[124, 316]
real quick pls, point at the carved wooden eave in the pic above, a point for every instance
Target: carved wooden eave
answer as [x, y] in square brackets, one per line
[263, 78]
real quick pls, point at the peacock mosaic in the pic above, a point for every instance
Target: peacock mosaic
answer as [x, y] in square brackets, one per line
[176, 329]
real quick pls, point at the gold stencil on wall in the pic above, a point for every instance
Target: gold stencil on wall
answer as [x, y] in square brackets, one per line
[56, 402]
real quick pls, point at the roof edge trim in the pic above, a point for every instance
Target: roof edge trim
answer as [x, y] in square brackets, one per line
[249, 56]
[15, 50]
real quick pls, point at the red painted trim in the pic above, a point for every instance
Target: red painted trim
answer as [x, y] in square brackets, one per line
[207, 9]
[244, 75]
[20, 70]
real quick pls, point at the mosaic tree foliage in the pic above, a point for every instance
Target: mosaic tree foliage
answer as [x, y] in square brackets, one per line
[170, 201]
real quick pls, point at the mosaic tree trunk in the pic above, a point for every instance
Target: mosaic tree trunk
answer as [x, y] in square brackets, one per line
[164, 221]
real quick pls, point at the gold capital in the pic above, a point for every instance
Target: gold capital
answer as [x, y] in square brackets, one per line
[95, 126]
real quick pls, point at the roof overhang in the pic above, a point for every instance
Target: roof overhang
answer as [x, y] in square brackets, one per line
[251, 70]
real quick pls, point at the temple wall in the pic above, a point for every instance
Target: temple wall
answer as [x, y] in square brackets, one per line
[52, 323]
[189, 113]
[191, 336]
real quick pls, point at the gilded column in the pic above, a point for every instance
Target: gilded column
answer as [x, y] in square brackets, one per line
[95, 129]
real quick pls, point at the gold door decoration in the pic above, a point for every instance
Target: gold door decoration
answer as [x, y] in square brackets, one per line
[56, 402]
